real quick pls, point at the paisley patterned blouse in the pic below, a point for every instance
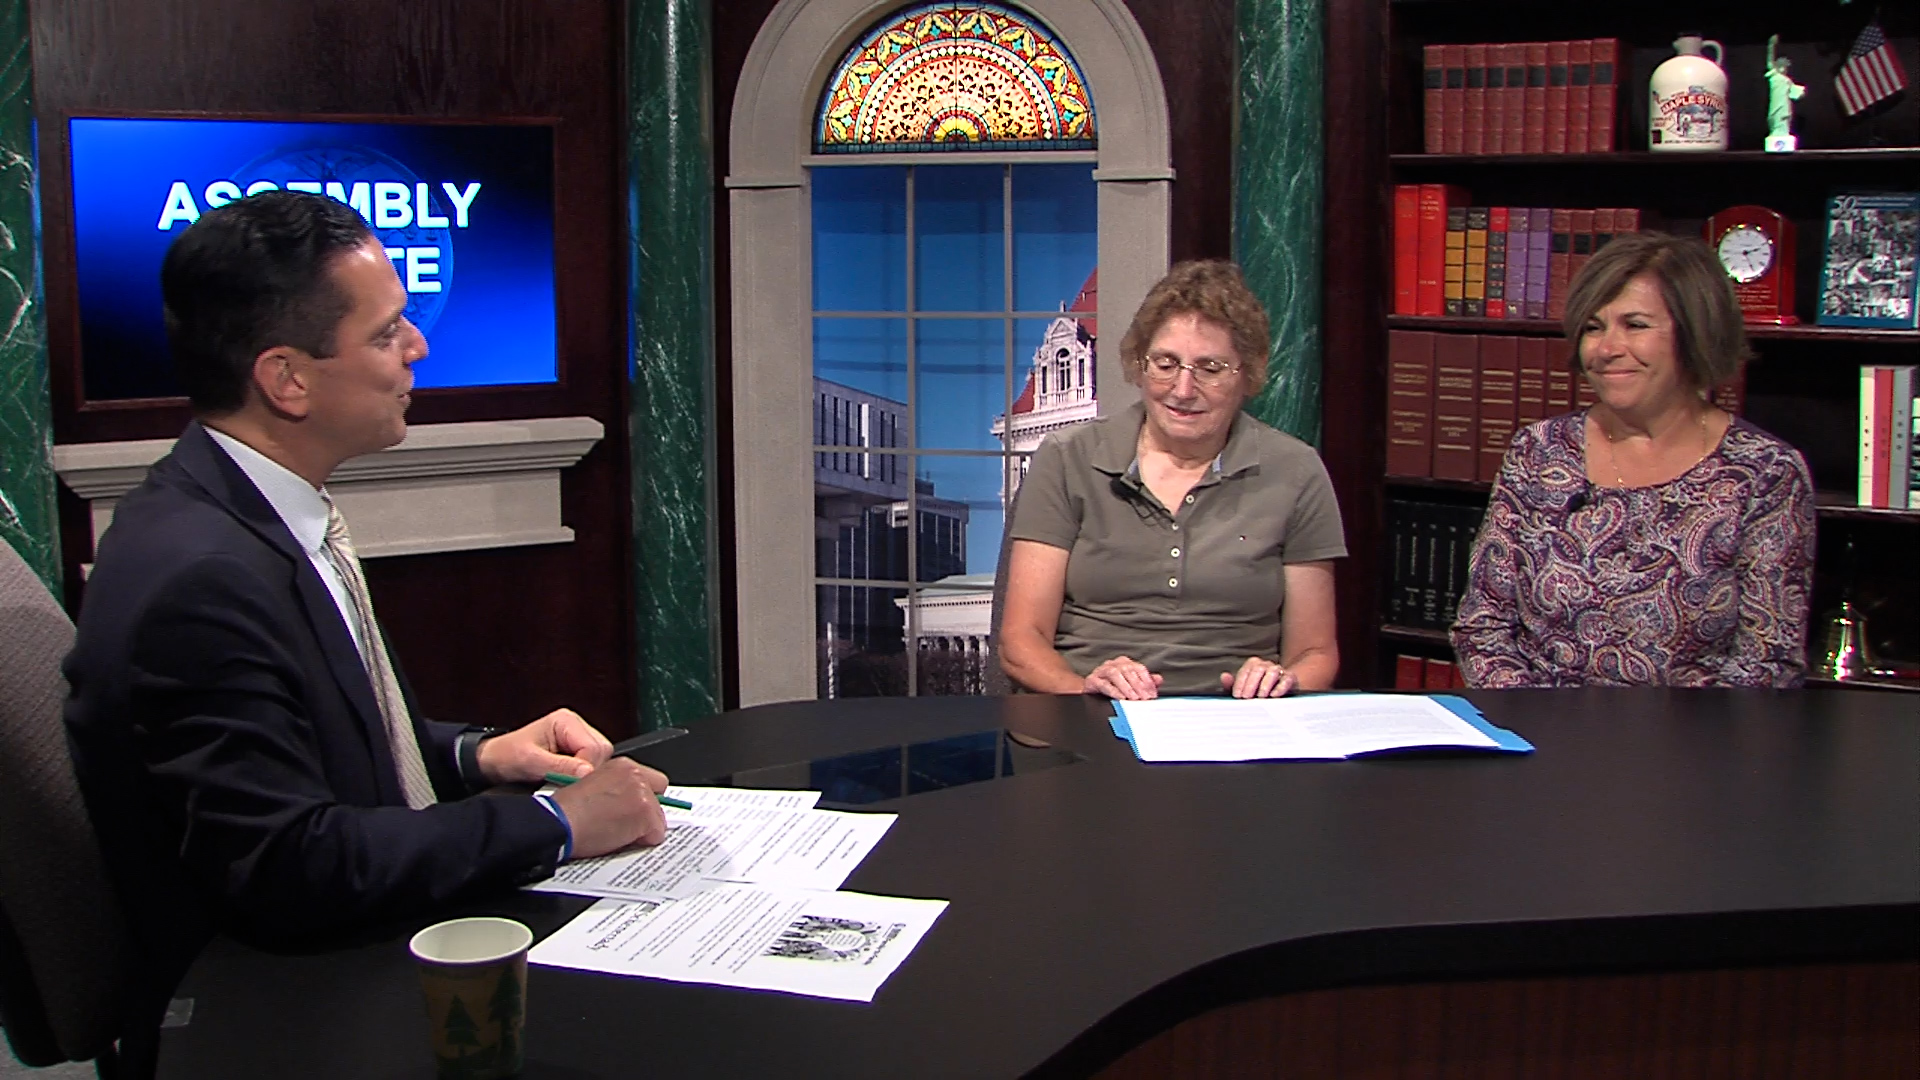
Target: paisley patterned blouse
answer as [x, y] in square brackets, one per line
[1701, 581]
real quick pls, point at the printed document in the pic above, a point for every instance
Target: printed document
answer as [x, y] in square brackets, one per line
[747, 840]
[1320, 726]
[822, 944]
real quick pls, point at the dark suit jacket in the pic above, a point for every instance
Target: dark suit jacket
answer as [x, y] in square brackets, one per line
[228, 742]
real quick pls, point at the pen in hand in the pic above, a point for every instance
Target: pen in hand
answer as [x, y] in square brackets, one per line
[560, 779]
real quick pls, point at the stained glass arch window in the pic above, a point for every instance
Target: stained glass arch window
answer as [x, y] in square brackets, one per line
[955, 76]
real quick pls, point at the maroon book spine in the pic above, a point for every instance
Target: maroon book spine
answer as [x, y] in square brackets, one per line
[1456, 363]
[1495, 138]
[1439, 675]
[1433, 89]
[1530, 381]
[1536, 97]
[1579, 246]
[1559, 271]
[1602, 227]
[1602, 93]
[1515, 57]
[1579, 98]
[1499, 375]
[1454, 99]
[1473, 139]
[1409, 672]
[1559, 381]
[1410, 402]
[1557, 97]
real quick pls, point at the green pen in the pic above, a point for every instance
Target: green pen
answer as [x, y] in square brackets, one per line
[560, 779]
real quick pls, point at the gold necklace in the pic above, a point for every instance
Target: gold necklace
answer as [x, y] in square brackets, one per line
[1613, 451]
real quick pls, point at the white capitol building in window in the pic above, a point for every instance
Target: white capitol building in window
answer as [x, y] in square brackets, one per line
[956, 613]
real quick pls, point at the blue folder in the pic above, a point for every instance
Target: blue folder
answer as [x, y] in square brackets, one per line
[1505, 741]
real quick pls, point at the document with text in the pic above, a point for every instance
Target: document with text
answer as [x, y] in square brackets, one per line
[1317, 726]
[822, 944]
[743, 842]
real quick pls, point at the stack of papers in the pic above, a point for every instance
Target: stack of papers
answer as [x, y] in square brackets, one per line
[741, 894]
[1311, 727]
[732, 834]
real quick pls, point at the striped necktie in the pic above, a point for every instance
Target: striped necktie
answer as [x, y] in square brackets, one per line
[373, 654]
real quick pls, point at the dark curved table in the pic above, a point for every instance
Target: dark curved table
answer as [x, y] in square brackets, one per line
[1101, 906]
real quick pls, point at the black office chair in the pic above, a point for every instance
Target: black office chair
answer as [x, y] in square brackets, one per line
[66, 968]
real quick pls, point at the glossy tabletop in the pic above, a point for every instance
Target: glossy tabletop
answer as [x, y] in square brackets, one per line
[1097, 903]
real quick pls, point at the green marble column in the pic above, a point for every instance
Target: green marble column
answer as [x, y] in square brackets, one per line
[1278, 174]
[27, 515]
[670, 211]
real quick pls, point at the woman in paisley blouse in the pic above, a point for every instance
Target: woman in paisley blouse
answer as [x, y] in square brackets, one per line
[1650, 539]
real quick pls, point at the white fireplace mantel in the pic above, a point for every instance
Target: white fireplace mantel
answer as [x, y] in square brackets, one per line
[446, 487]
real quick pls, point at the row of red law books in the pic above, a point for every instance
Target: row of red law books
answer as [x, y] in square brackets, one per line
[1528, 97]
[1494, 262]
[1426, 673]
[1454, 401]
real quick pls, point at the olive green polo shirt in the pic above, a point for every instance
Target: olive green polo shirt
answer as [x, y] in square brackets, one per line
[1189, 594]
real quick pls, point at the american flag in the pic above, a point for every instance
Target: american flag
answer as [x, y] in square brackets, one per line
[1872, 72]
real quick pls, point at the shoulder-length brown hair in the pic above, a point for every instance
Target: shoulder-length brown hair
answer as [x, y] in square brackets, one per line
[1214, 290]
[1709, 338]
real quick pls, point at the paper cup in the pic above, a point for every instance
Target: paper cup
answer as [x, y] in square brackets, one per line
[474, 972]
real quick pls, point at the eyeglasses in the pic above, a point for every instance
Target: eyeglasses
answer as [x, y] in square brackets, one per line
[1209, 372]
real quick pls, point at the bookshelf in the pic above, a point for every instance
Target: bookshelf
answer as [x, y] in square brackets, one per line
[1803, 386]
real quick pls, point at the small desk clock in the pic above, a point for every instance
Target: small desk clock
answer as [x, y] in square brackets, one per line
[1755, 246]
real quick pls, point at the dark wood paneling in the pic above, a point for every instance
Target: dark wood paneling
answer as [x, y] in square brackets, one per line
[486, 636]
[1194, 44]
[1845, 1022]
[1353, 386]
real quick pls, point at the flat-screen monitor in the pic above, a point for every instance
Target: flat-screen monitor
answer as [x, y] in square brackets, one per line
[465, 212]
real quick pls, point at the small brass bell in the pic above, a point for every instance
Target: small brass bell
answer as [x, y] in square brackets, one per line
[1844, 655]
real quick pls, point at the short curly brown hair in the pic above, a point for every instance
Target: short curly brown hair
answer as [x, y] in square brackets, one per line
[1214, 290]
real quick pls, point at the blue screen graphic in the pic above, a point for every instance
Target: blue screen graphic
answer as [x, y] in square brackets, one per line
[465, 213]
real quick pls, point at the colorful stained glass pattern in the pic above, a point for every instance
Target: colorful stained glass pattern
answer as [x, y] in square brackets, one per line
[952, 76]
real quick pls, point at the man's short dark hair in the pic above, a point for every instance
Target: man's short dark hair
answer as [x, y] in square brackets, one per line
[251, 275]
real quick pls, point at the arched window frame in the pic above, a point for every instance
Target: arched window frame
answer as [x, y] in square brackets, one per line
[770, 210]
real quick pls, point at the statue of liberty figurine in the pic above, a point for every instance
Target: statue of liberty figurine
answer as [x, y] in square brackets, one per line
[1782, 92]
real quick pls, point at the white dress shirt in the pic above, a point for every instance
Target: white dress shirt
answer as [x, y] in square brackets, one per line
[302, 509]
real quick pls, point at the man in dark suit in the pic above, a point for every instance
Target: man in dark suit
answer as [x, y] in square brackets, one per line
[241, 736]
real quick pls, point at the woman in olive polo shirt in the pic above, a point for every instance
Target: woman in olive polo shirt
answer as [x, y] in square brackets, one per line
[1180, 547]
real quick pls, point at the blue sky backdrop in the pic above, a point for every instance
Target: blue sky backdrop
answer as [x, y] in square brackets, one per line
[860, 263]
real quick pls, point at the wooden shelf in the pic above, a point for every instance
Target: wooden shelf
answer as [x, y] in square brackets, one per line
[1551, 328]
[1840, 506]
[1470, 487]
[1649, 159]
[1415, 635]
[1911, 686]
